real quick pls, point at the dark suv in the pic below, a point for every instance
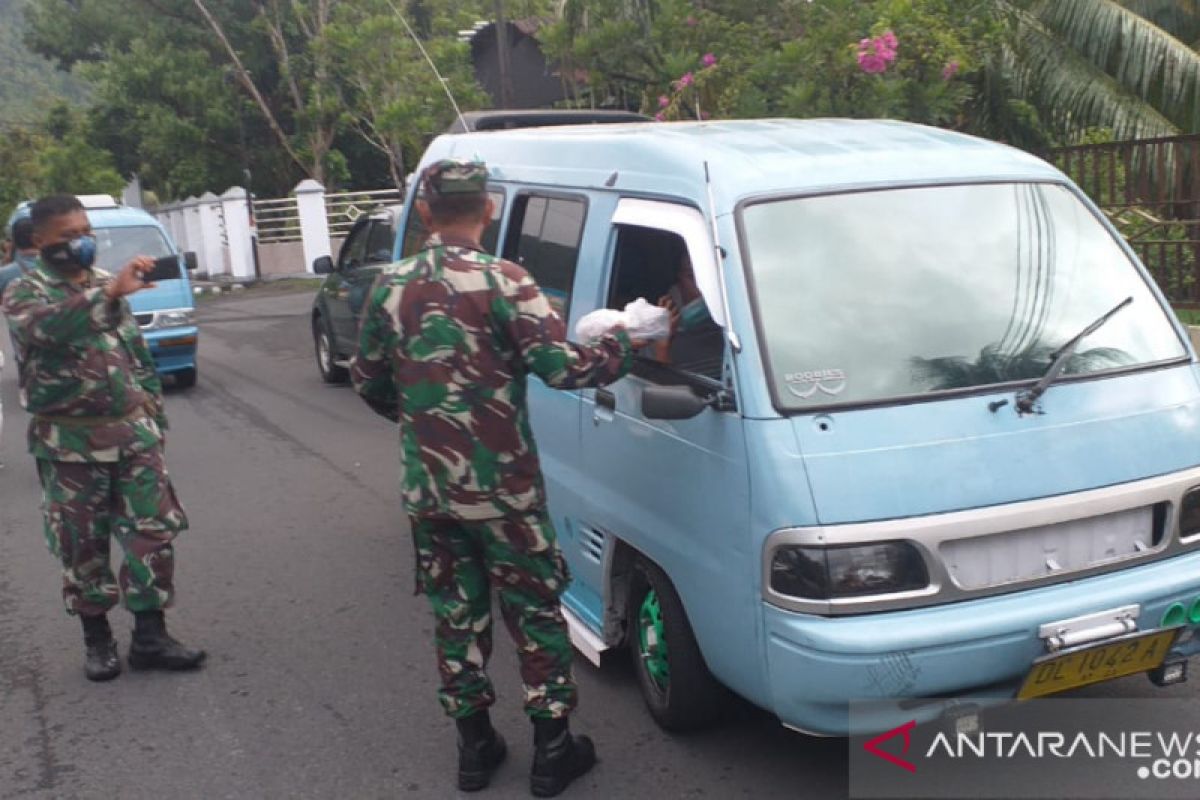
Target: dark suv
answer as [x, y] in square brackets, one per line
[364, 252]
[371, 244]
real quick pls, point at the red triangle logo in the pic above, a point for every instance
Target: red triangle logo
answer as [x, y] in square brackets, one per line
[904, 730]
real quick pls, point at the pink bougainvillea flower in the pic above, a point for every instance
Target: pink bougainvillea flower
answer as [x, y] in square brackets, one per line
[687, 80]
[691, 22]
[950, 71]
[871, 64]
[709, 60]
[875, 54]
[663, 101]
[705, 115]
[659, 116]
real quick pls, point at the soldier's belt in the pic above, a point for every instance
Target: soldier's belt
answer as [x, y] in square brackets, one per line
[90, 422]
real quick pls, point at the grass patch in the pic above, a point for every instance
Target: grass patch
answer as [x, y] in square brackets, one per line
[1188, 316]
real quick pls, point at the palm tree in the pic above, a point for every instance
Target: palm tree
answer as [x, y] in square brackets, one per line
[1127, 65]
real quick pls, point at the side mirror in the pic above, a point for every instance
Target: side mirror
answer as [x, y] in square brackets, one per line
[671, 402]
[323, 265]
[189, 260]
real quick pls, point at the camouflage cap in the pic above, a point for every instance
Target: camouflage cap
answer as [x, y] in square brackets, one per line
[454, 176]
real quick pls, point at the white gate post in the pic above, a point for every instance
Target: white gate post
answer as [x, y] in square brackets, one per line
[237, 232]
[191, 226]
[174, 217]
[212, 260]
[314, 223]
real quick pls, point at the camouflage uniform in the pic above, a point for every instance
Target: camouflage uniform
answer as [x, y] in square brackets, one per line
[448, 338]
[88, 380]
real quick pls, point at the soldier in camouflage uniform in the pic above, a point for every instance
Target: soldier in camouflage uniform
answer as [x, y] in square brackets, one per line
[88, 380]
[448, 338]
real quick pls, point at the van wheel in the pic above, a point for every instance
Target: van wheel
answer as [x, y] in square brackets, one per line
[679, 691]
[185, 378]
[323, 343]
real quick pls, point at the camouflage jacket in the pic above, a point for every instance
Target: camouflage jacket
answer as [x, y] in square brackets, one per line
[448, 337]
[86, 374]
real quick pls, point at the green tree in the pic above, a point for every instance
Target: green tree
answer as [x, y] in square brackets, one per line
[1127, 65]
[393, 97]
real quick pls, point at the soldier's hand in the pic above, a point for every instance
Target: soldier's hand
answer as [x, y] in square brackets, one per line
[129, 279]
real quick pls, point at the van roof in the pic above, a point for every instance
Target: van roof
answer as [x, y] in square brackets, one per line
[119, 216]
[747, 158]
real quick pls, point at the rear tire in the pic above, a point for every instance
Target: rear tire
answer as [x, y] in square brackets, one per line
[323, 344]
[186, 378]
[679, 691]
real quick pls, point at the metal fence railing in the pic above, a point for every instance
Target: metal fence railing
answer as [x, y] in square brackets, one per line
[277, 220]
[1150, 189]
[344, 208]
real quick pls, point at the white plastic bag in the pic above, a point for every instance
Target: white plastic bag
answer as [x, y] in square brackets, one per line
[597, 323]
[646, 322]
[639, 319]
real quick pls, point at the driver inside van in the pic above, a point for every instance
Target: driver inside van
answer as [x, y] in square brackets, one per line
[695, 343]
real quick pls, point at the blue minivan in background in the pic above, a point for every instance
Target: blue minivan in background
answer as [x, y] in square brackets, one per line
[945, 447]
[165, 313]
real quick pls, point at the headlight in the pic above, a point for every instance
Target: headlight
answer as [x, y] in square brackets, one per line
[824, 573]
[1189, 513]
[175, 319]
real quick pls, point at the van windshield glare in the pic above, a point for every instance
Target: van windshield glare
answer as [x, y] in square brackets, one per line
[873, 296]
[116, 246]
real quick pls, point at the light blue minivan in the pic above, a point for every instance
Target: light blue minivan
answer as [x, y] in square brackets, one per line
[945, 443]
[166, 313]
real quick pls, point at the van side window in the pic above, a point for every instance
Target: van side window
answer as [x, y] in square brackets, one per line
[653, 264]
[415, 232]
[544, 237]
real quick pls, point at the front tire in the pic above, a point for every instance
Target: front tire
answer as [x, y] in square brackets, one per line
[679, 691]
[323, 344]
[186, 378]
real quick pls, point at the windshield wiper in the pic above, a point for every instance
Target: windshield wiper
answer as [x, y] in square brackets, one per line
[1027, 401]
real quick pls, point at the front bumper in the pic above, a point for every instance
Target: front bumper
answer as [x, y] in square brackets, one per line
[919, 663]
[174, 349]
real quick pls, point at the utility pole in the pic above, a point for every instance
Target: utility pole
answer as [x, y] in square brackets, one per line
[506, 89]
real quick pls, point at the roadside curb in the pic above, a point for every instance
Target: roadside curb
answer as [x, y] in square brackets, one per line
[226, 286]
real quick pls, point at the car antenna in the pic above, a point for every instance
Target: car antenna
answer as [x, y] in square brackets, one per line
[432, 66]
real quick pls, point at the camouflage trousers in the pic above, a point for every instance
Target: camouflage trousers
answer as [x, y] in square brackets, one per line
[458, 564]
[87, 505]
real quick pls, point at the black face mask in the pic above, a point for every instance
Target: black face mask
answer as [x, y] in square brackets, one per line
[72, 256]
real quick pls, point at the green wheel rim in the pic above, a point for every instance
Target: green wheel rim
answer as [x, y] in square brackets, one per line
[652, 641]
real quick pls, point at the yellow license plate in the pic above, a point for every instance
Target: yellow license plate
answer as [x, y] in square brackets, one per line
[1082, 666]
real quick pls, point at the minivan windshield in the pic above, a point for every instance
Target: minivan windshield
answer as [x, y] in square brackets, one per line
[116, 246]
[878, 295]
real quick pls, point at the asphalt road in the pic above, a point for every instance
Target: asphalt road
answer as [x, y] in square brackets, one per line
[296, 576]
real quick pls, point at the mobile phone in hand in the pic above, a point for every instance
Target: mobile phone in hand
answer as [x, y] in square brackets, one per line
[165, 269]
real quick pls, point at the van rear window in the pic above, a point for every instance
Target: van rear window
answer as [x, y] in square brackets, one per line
[880, 295]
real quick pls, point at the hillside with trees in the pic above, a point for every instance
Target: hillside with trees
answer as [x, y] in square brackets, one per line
[200, 95]
[29, 83]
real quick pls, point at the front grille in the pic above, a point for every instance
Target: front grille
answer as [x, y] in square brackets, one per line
[1049, 551]
[144, 320]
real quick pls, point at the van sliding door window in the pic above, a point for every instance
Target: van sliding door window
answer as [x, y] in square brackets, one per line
[653, 264]
[415, 233]
[544, 238]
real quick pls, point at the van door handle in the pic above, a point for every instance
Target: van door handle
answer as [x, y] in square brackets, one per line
[606, 399]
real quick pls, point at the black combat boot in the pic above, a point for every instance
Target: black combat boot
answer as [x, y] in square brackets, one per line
[101, 662]
[152, 648]
[558, 757]
[480, 751]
